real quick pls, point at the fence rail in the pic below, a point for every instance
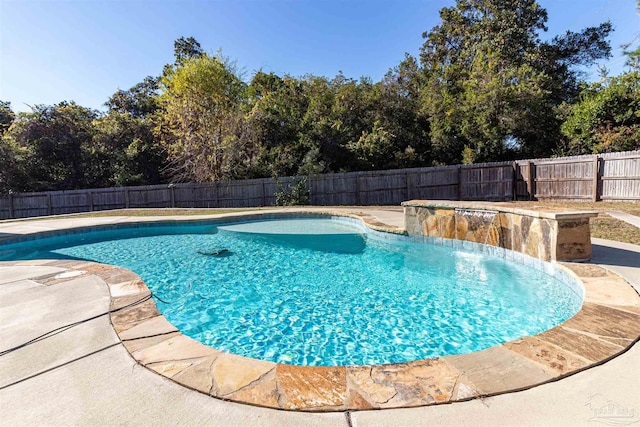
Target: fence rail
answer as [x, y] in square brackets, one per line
[614, 176]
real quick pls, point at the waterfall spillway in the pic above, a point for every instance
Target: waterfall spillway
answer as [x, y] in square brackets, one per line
[477, 220]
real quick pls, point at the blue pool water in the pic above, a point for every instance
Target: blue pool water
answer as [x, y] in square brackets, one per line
[320, 291]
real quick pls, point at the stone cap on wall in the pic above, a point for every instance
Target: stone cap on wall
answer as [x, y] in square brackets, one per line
[558, 214]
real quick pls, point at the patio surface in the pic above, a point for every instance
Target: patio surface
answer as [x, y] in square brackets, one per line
[85, 376]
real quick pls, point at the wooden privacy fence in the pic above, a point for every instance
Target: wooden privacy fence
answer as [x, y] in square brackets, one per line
[611, 177]
[614, 176]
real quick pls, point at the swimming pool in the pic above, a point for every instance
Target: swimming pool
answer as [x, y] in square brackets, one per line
[322, 291]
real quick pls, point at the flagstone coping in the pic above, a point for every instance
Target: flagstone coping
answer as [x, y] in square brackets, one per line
[607, 325]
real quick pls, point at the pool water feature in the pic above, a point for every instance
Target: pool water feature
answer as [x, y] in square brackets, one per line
[483, 218]
[314, 291]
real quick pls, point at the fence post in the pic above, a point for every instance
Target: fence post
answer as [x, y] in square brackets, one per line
[90, 195]
[530, 181]
[126, 198]
[172, 195]
[406, 178]
[514, 184]
[11, 208]
[358, 190]
[309, 187]
[49, 207]
[596, 177]
[459, 182]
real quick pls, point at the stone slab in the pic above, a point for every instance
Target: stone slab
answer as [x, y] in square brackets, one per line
[176, 348]
[585, 346]
[312, 386]
[605, 322]
[417, 383]
[611, 291]
[262, 392]
[131, 316]
[149, 341]
[131, 287]
[549, 213]
[158, 325]
[498, 370]
[547, 354]
[232, 373]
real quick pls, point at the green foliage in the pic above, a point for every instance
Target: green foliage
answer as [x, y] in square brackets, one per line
[13, 176]
[185, 49]
[124, 144]
[273, 124]
[607, 117]
[296, 193]
[55, 146]
[7, 116]
[139, 101]
[124, 150]
[492, 86]
[398, 111]
[633, 56]
[201, 126]
[374, 148]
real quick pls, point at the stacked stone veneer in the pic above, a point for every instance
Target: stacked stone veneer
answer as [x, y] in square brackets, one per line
[544, 234]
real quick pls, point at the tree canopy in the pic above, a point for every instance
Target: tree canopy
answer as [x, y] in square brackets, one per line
[492, 85]
[487, 86]
[202, 101]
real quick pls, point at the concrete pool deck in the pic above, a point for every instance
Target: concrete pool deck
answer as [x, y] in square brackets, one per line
[84, 375]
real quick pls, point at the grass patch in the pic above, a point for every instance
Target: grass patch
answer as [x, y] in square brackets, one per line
[606, 227]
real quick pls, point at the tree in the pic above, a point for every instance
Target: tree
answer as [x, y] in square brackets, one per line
[124, 151]
[633, 56]
[139, 101]
[184, 49]
[492, 86]
[124, 139]
[396, 102]
[7, 116]
[203, 101]
[13, 176]
[374, 148]
[273, 124]
[55, 143]
[318, 137]
[607, 117]
[8, 151]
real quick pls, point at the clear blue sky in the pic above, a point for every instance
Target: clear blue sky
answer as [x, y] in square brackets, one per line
[84, 51]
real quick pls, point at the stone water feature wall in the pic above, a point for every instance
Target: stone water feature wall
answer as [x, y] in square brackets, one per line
[546, 234]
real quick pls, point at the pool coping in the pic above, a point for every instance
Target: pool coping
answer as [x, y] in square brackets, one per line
[606, 326]
[507, 207]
